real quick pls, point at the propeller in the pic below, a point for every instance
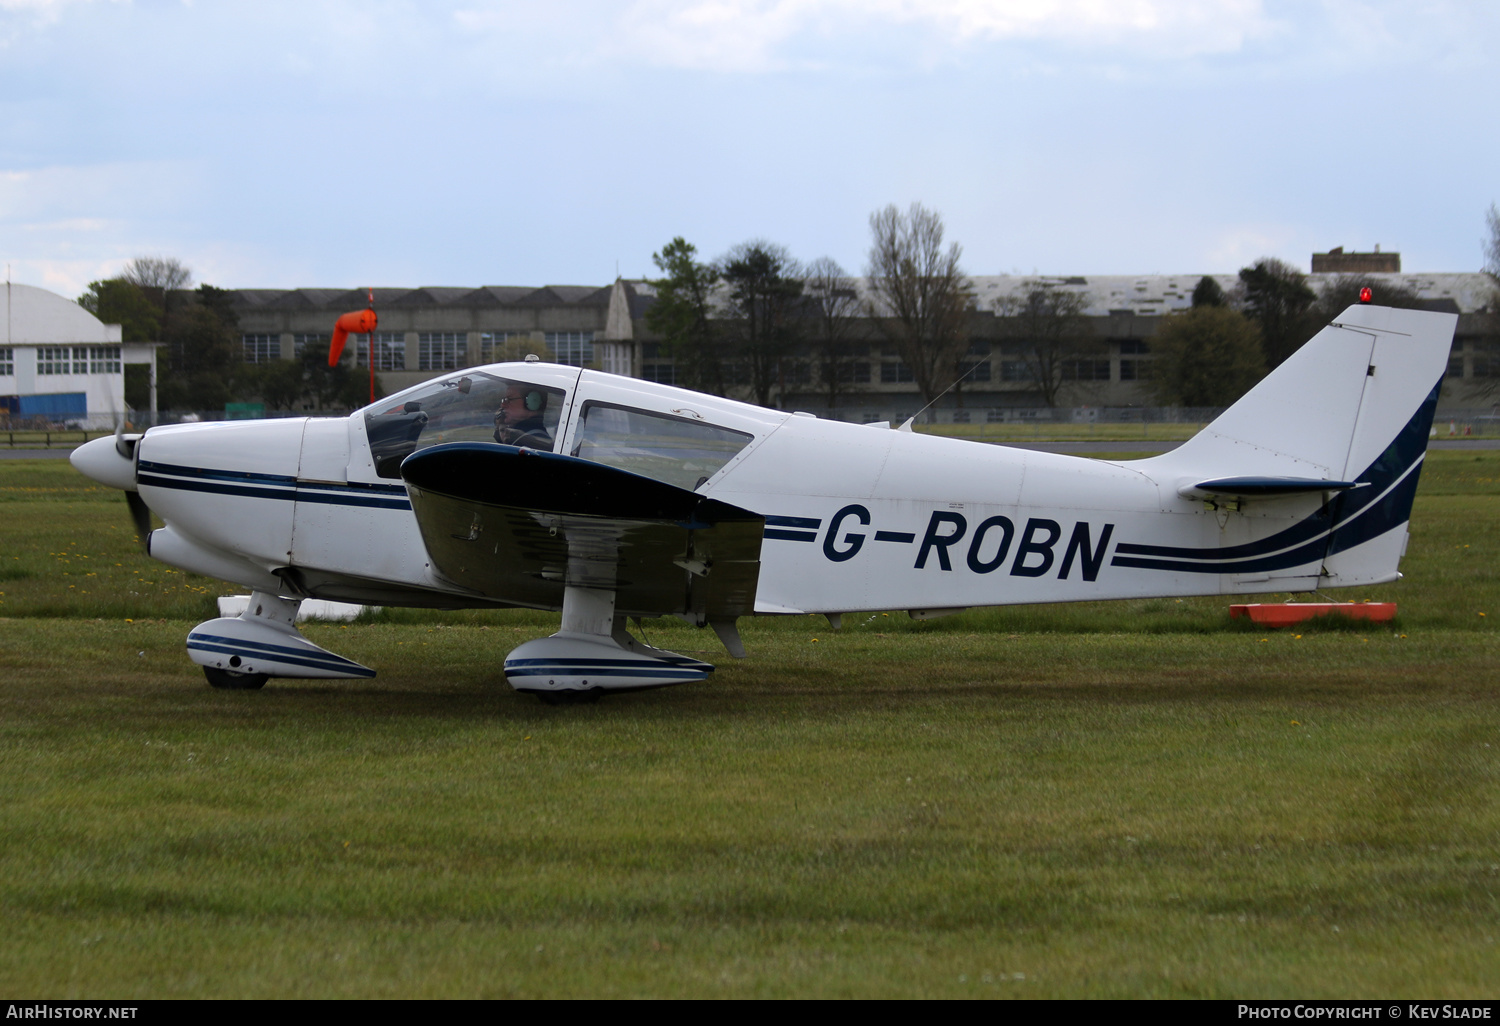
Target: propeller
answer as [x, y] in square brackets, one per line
[140, 513]
[140, 516]
[112, 461]
[125, 447]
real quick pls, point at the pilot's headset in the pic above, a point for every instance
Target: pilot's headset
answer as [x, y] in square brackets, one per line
[533, 399]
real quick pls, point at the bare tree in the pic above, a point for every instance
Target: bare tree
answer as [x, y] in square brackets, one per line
[920, 295]
[1048, 324]
[157, 277]
[157, 272]
[1492, 244]
[832, 306]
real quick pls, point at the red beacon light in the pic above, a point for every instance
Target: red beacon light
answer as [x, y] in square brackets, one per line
[1365, 295]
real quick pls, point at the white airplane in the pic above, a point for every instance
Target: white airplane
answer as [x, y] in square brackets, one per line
[551, 487]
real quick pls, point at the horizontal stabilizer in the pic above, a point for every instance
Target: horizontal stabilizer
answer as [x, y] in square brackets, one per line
[1262, 486]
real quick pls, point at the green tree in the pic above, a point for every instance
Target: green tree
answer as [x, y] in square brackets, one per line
[1208, 292]
[920, 296]
[680, 316]
[1277, 298]
[764, 284]
[280, 384]
[306, 380]
[117, 301]
[1206, 356]
[203, 352]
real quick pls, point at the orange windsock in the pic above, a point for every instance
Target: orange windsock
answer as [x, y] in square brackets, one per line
[359, 322]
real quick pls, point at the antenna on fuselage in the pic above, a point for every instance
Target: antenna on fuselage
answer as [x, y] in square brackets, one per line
[907, 423]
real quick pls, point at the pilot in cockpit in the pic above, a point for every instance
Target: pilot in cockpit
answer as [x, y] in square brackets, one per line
[519, 421]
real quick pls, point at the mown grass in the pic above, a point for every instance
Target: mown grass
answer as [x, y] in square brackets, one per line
[1133, 799]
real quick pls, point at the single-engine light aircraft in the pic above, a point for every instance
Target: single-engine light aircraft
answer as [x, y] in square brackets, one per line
[553, 487]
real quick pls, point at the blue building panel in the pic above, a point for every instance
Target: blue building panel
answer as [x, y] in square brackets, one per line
[56, 405]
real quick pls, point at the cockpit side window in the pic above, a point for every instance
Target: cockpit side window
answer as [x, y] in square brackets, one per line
[676, 450]
[474, 407]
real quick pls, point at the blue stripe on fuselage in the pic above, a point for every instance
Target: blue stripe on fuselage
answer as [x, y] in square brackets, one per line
[270, 486]
[1351, 518]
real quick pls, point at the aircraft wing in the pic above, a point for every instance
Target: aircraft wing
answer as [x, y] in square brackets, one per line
[519, 525]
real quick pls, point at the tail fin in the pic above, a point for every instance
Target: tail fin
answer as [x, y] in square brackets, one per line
[1355, 404]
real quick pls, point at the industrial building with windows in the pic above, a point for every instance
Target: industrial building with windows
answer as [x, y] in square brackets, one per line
[61, 365]
[427, 331]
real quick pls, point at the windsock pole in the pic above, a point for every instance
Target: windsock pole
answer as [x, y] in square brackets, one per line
[357, 322]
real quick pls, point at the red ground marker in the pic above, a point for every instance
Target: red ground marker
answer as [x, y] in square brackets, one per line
[1284, 614]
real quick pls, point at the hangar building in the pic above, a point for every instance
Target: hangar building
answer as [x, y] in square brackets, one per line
[59, 363]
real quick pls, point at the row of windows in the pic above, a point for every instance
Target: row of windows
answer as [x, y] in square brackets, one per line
[67, 360]
[1126, 347]
[1484, 360]
[574, 348]
[442, 350]
[390, 350]
[895, 372]
[261, 348]
[7, 362]
[1085, 370]
[436, 350]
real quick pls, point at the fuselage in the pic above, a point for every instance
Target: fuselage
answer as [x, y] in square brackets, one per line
[857, 517]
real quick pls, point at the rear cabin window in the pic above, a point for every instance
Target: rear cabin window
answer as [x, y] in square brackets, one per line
[474, 407]
[676, 450]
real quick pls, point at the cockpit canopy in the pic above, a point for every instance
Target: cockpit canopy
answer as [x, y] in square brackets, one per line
[473, 407]
[632, 425]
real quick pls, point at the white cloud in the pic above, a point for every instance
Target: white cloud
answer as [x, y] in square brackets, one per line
[20, 16]
[65, 277]
[75, 194]
[752, 35]
[66, 225]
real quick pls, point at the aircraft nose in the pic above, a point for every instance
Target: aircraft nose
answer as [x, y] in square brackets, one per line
[102, 461]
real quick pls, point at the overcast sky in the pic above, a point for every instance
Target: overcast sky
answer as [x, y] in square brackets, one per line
[312, 143]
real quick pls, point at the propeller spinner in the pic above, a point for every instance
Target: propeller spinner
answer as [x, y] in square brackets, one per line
[111, 461]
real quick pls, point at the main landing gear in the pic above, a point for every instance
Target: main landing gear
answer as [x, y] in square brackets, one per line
[592, 654]
[241, 653]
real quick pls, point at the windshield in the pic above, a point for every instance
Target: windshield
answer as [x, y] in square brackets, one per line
[473, 407]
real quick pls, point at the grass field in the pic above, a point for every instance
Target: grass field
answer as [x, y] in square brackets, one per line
[1099, 800]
